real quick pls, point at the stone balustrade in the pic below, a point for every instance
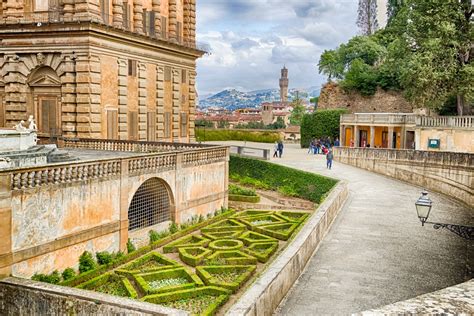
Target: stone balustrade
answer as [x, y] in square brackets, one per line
[449, 173]
[464, 122]
[129, 145]
[63, 173]
[377, 118]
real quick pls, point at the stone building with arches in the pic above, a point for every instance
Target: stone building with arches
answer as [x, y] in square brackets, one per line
[108, 69]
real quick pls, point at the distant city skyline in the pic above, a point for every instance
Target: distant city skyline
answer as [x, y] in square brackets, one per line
[251, 40]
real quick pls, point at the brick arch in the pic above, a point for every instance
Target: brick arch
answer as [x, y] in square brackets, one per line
[151, 204]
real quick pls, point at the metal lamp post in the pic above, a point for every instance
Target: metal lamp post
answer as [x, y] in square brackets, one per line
[423, 208]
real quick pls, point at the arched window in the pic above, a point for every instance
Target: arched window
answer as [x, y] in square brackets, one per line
[150, 205]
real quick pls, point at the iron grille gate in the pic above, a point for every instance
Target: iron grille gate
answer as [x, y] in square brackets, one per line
[150, 205]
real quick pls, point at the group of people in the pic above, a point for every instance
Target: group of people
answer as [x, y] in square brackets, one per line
[278, 149]
[323, 146]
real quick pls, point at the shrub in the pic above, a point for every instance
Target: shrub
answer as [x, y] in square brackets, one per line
[236, 190]
[244, 198]
[249, 136]
[155, 236]
[130, 246]
[68, 273]
[321, 123]
[53, 278]
[104, 257]
[173, 228]
[306, 185]
[86, 262]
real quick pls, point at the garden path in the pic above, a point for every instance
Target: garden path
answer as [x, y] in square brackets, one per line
[376, 252]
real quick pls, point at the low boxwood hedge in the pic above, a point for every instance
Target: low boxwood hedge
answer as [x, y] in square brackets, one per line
[110, 283]
[262, 250]
[288, 181]
[226, 244]
[193, 256]
[244, 198]
[167, 281]
[83, 277]
[224, 225]
[199, 301]
[222, 257]
[186, 241]
[260, 220]
[250, 237]
[248, 213]
[231, 277]
[242, 135]
[282, 231]
[237, 190]
[222, 235]
[292, 216]
[150, 262]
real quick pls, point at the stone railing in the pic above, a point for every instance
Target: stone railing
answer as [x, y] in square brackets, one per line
[128, 145]
[377, 118]
[63, 173]
[258, 153]
[445, 172]
[465, 122]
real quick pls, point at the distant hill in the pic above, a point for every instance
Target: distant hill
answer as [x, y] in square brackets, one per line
[232, 99]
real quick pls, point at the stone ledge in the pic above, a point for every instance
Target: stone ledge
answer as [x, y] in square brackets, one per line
[26, 297]
[457, 300]
[264, 296]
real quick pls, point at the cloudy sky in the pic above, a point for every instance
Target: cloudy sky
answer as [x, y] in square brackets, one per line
[250, 40]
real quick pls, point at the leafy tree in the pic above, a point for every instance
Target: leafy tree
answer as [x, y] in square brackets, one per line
[393, 7]
[203, 123]
[330, 65]
[361, 77]
[278, 124]
[298, 111]
[367, 16]
[437, 42]
[223, 124]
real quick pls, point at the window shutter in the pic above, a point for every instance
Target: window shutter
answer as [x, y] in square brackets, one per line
[151, 126]
[126, 18]
[167, 124]
[164, 27]
[179, 30]
[184, 76]
[184, 124]
[167, 73]
[145, 22]
[132, 67]
[112, 124]
[151, 19]
[133, 125]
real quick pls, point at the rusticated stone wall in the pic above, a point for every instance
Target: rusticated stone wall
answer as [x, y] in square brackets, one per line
[333, 97]
[444, 172]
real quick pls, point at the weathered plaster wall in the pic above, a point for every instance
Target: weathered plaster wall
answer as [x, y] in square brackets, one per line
[444, 172]
[457, 140]
[333, 97]
[47, 213]
[65, 257]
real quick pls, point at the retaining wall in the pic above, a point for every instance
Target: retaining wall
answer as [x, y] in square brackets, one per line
[263, 297]
[449, 173]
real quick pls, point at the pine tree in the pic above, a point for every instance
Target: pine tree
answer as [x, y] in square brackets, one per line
[393, 6]
[367, 16]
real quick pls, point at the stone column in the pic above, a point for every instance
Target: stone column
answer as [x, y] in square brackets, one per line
[172, 32]
[390, 137]
[138, 16]
[372, 136]
[142, 104]
[356, 136]
[15, 89]
[68, 96]
[123, 98]
[192, 23]
[187, 22]
[342, 135]
[176, 85]
[68, 9]
[192, 105]
[157, 10]
[160, 102]
[117, 10]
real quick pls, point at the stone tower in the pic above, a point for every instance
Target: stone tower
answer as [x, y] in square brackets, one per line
[284, 85]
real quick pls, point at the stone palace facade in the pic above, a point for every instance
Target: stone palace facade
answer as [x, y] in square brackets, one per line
[109, 69]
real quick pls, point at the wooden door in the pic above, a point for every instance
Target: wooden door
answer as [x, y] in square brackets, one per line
[48, 113]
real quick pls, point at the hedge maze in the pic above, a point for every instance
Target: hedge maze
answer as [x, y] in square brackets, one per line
[214, 262]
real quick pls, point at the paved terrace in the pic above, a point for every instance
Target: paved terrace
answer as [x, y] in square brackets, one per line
[376, 253]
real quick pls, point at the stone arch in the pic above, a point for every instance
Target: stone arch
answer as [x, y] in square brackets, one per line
[44, 98]
[151, 204]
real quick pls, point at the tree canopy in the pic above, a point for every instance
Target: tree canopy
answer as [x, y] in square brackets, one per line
[425, 51]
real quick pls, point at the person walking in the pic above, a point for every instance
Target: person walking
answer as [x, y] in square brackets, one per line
[280, 148]
[329, 157]
[275, 150]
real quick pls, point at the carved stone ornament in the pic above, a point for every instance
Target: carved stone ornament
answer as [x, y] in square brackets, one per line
[41, 58]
